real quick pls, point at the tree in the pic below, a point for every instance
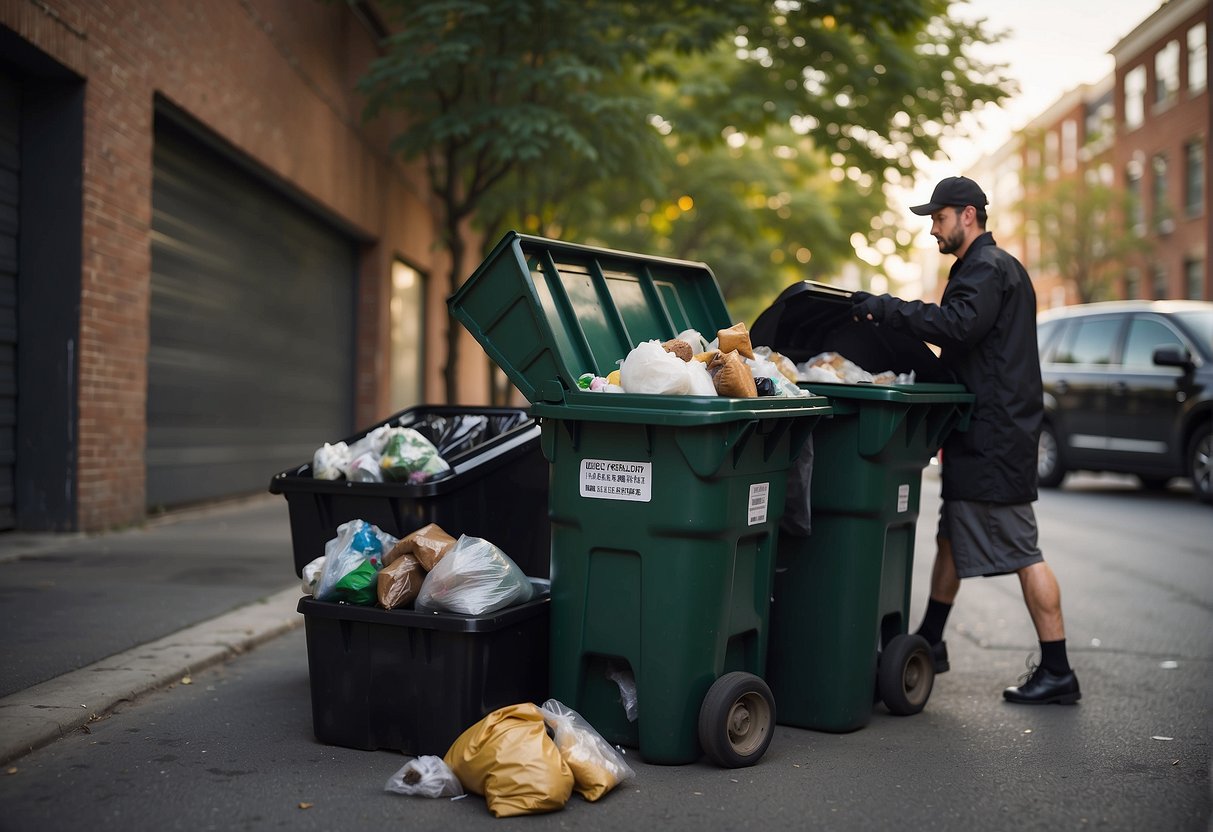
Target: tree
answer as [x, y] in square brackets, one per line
[572, 115]
[1083, 221]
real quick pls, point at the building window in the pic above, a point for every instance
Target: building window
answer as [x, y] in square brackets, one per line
[1158, 282]
[1194, 278]
[1135, 94]
[1194, 177]
[1137, 211]
[1069, 145]
[406, 367]
[1166, 74]
[1163, 223]
[1198, 70]
[1051, 143]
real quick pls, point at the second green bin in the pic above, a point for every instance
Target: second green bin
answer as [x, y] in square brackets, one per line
[665, 509]
[842, 595]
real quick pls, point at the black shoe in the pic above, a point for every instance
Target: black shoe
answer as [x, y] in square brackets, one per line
[939, 654]
[1043, 687]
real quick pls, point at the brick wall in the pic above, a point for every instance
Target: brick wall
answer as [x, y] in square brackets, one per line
[274, 79]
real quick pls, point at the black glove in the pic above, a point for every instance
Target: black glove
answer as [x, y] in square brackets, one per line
[865, 304]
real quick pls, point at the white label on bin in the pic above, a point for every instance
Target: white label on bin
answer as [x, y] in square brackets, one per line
[903, 497]
[760, 496]
[613, 479]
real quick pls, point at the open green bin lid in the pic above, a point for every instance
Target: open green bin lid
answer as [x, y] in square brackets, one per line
[548, 311]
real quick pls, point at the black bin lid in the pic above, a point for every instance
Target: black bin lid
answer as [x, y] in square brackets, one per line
[809, 318]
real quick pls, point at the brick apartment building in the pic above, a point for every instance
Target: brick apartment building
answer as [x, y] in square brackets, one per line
[209, 264]
[1161, 149]
[1144, 132]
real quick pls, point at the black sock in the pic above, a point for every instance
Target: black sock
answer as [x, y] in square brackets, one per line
[1053, 657]
[933, 621]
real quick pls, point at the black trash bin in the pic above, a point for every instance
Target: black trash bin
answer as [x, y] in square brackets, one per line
[497, 488]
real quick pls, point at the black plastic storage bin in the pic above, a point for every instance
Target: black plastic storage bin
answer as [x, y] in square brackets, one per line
[497, 490]
[414, 681]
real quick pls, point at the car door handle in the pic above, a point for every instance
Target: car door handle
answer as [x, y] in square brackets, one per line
[1061, 387]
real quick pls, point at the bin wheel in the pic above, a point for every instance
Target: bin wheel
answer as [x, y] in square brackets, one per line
[905, 674]
[737, 720]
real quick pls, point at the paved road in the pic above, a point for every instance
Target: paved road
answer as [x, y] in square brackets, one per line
[234, 750]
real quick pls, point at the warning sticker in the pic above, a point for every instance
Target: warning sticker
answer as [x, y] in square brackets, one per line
[760, 496]
[612, 479]
[903, 497]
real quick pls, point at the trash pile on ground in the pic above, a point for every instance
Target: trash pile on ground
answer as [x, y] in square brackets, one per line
[524, 759]
[427, 570]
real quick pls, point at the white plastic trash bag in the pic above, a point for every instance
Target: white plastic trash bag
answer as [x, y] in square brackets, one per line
[650, 369]
[474, 578]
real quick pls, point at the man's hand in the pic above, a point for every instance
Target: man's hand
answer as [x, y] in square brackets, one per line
[868, 307]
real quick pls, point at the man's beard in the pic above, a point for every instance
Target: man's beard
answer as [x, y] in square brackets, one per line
[951, 243]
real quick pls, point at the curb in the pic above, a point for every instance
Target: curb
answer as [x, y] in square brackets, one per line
[42, 714]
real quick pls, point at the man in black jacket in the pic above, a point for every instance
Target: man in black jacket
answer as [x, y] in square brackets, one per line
[985, 327]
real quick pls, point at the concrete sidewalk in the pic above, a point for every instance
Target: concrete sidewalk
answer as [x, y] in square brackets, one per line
[94, 620]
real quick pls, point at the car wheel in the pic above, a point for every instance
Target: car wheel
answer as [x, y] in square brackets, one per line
[1049, 468]
[1200, 466]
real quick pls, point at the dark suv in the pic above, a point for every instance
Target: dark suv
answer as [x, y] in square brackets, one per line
[1128, 388]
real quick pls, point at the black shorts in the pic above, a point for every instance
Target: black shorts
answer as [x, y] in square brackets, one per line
[989, 538]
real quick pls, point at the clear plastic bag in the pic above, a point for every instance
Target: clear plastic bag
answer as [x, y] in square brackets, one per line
[407, 455]
[474, 578]
[352, 561]
[597, 767]
[426, 776]
[627, 690]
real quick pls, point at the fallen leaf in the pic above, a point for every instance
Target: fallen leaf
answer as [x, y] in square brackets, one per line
[186, 680]
[1175, 762]
[14, 769]
[1163, 739]
[305, 805]
[1027, 730]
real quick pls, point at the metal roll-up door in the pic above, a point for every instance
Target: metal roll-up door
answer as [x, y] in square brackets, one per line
[250, 365]
[10, 176]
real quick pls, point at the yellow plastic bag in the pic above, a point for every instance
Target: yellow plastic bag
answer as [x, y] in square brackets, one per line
[509, 758]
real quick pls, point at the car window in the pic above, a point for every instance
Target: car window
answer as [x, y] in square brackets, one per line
[1200, 324]
[1045, 336]
[1089, 341]
[1145, 336]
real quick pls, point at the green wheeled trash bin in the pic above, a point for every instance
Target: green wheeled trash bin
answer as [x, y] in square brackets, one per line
[664, 509]
[839, 630]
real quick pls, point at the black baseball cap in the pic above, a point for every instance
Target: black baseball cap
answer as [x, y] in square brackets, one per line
[955, 191]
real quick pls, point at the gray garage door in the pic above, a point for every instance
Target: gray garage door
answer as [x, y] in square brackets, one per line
[10, 112]
[252, 306]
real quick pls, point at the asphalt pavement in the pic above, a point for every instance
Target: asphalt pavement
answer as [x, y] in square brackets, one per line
[90, 621]
[157, 678]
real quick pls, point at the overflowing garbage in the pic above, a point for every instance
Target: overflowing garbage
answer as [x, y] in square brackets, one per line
[728, 365]
[523, 759]
[426, 570]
